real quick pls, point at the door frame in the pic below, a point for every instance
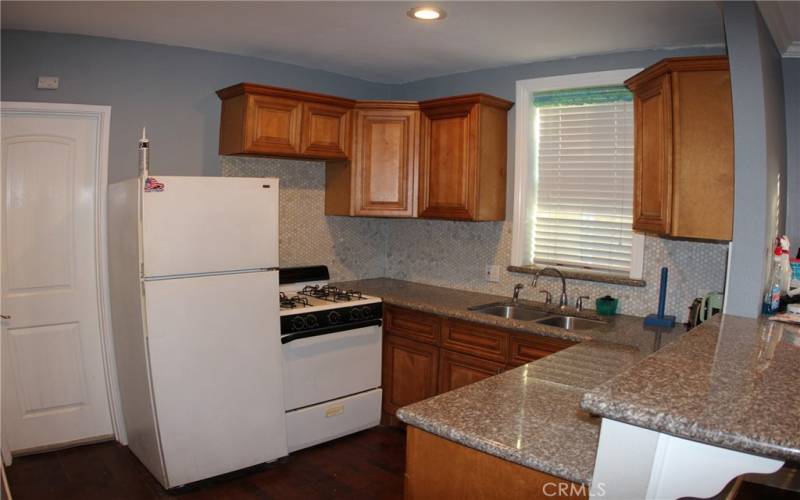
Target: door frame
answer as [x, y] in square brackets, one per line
[103, 116]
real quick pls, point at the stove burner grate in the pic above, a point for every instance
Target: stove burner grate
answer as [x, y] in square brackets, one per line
[331, 293]
[292, 302]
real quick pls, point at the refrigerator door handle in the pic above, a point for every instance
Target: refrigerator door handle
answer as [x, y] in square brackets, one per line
[217, 273]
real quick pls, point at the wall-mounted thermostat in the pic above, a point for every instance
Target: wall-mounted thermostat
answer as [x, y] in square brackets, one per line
[47, 82]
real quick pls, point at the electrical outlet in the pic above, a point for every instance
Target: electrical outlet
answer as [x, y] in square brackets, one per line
[47, 82]
[493, 273]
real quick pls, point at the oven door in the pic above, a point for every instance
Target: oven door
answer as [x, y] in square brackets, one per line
[330, 366]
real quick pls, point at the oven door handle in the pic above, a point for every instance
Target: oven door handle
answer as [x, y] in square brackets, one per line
[289, 337]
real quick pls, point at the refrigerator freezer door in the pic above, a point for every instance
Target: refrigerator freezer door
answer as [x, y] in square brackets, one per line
[194, 225]
[215, 360]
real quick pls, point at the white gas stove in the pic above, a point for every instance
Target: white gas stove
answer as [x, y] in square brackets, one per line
[331, 357]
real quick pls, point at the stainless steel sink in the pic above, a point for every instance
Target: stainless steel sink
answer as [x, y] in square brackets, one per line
[510, 311]
[570, 322]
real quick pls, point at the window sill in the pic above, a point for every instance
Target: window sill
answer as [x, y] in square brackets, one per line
[574, 274]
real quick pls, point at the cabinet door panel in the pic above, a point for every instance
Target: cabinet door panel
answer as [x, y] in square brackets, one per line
[273, 126]
[528, 347]
[703, 148]
[410, 372]
[326, 131]
[447, 175]
[457, 370]
[412, 324]
[652, 195]
[475, 339]
[385, 161]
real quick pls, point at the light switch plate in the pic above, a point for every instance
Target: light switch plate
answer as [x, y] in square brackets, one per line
[47, 82]
[493, 273]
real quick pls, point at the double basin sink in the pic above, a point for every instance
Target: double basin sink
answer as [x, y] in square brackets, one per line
[524, 313]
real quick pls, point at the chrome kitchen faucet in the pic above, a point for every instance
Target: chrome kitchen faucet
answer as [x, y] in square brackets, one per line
[562, 302]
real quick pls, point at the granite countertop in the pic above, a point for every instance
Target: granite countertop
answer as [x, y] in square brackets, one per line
[731, 382]
[530, 415]
[455, 303]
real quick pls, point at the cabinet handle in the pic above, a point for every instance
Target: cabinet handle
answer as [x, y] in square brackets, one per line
[5, 316]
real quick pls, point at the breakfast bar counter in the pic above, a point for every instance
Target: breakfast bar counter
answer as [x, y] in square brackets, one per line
[730, 382]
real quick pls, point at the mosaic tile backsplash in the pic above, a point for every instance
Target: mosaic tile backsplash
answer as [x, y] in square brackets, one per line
[455, 254]
[351, 247]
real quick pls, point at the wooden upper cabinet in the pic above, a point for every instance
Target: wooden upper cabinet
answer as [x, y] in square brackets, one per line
[653, 150]
[381, 178]
[463, 161]
[683, 148]
[275, 124]
[439, 159]
[272, 121]
[326, 131]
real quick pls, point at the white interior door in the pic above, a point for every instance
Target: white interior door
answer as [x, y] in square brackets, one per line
[196, 225]
[53, 380]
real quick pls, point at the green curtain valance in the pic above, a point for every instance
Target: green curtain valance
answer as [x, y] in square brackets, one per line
[581, 97]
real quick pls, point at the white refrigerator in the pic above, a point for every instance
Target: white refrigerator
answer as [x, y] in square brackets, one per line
[194, 302]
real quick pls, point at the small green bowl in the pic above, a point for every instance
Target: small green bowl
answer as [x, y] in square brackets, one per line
[606, 307]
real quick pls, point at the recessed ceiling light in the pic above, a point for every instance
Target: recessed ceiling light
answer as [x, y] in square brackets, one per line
[427, 13]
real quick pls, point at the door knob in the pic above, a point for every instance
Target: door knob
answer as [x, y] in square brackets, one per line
[5, 316]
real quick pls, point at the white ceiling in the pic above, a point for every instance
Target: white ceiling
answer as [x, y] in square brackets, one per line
[376, 40]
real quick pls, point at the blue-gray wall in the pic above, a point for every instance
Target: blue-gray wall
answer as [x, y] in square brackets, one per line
[791, 92]
[171, 90]
[760, 154]
[168, 89]
[501, 82]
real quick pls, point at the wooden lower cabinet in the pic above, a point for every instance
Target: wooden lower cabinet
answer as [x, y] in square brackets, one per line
[441, 469]
[412, 324]
[410, 372]
[457, 370]
[477, 340]
[425, 355]
[526, 348]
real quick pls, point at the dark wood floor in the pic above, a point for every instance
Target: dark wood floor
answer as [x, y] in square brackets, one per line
[368, 464]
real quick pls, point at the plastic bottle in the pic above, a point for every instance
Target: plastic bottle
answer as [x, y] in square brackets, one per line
[786, 268]
[775, 280]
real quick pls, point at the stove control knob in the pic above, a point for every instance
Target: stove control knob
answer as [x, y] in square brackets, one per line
[311, 321]
[334, 317]
[366, 312]
[298, 323]
[355, 314]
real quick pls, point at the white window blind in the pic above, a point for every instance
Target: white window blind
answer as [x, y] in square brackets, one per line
[584, 179]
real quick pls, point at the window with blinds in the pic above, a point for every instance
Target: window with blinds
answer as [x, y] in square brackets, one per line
[583, 179]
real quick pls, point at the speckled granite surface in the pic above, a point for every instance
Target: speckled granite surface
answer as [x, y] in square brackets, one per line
[731, 382]
[455, 304]
[530, 415]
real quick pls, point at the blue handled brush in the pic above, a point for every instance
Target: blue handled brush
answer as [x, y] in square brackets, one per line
[660, 320]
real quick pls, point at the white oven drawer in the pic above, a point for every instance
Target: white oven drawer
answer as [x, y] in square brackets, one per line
[319, 423]
[331, 366]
